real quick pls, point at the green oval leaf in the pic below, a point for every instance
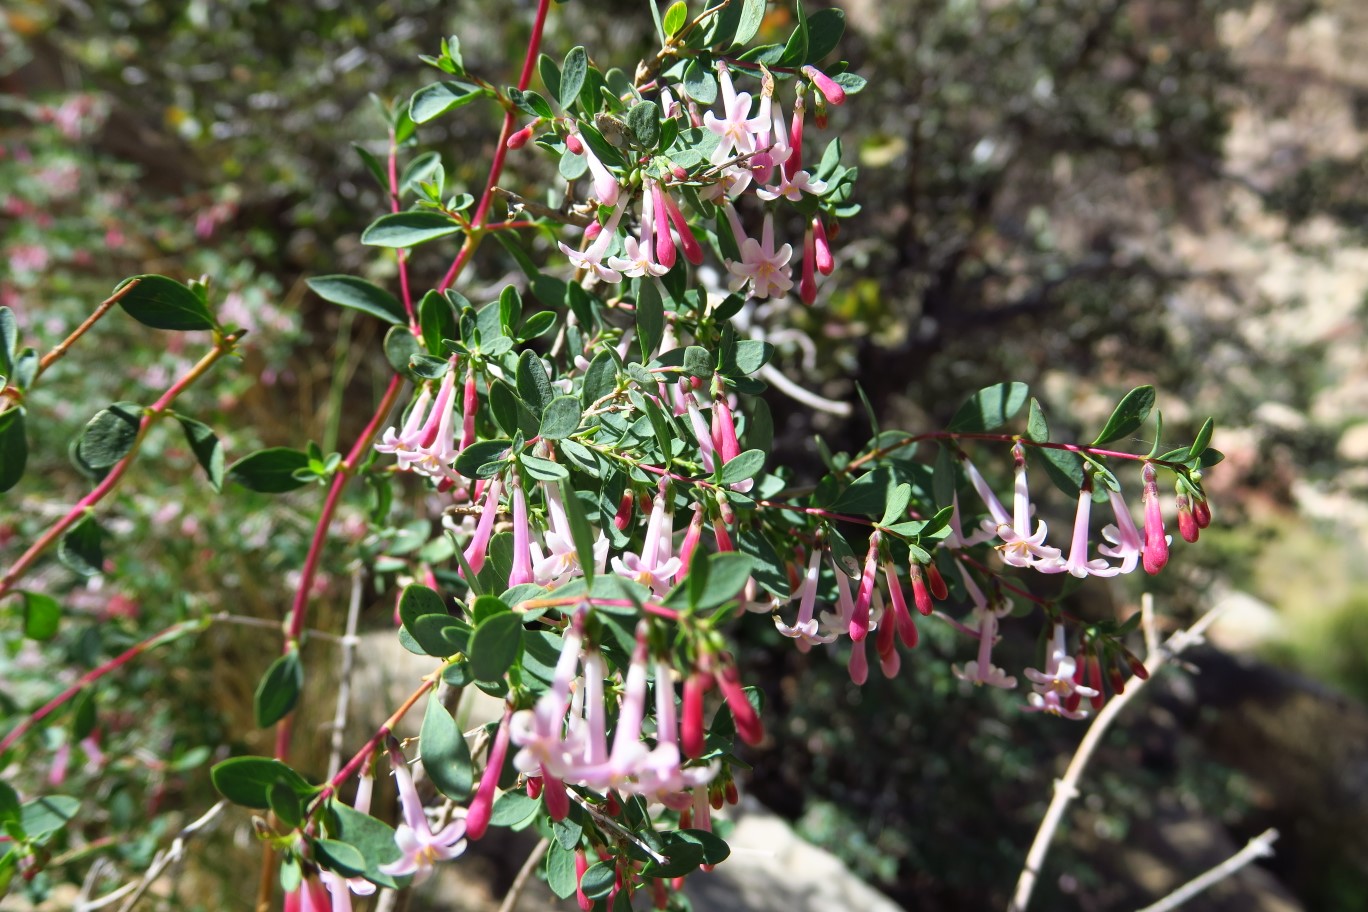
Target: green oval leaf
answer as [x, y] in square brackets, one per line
[1130, 413]
[204, 443]
[109, 436]
[81, 549]
[163, 303]
[495, 646]
[270, 471]
[13, 448]
[247, 780]
[561, 418]
[408, 229]
[432, 101]
[743, 466]
[42, 614]
[598, 881]
[573, 72]
[446, 756]
[989, 408]
[279, 688]
[358, 294]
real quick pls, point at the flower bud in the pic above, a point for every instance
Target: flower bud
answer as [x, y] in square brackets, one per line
[1201, 511]
[520, 138]
[831, 90]
[1155, 552]
[748, 726]
[574, 144]
[937, 583]
[1187, 523]
[691, 734]
[581, 865]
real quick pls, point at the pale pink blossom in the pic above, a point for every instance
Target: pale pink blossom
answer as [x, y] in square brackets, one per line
[763, 267]
[421, 848]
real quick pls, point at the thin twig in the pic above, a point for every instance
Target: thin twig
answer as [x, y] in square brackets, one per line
[163, 859]
[1066, 789]
[510, 900]
[339, 726]
[1260, 846]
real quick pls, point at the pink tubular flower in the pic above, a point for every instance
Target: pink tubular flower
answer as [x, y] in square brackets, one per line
[1020, 546]
[426, 444]
[691, 731]
[1124, 542]
[859, 619]
[692, 251]
[805, 628]
[982, 670]
[522, 571]
[762, 266]
[1056, 685]
[309, 896]
[792, 187]
[639, 255]
[830, 89]
[794, 163]
[545, 748]
[735, 129]
[653, 567]
[692, 536]
[482, 805]
[902, 618]
[748, 726]
[421, 847]
[664, 243]
[478, 548]
[1155, 553]
[1078, 563]
[591, 258]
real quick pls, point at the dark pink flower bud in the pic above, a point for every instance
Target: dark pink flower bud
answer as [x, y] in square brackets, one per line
[581, 865]
[679, 173]
[520, 138]
[1201, 511]
[921, 596]
[1187, 523]
[732, 796]
[1095, 682]
[574, 144]
[482, 805]
[859, 618]
[624, 512]
[692, 251]
[557, 799]
[825, 262]
[748, 726]
[664, 243]
[724, 428]
[831, 90]
[937, 582]
[859, 663]
[1154, 555]
[593, 231]
[691, 734]
[470, 403]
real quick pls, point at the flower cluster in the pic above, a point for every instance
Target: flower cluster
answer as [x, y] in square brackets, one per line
[752, 149]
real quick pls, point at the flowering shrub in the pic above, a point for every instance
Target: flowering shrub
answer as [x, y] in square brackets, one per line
[606, 499]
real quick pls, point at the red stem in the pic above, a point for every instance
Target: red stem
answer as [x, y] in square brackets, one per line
[399, 254]
[222, 346]
[477, 224]
[157, 639]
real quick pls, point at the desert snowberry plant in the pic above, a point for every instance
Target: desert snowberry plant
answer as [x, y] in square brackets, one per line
[605, 499]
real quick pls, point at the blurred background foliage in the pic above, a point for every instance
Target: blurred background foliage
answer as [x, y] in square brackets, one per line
[1084, 195]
